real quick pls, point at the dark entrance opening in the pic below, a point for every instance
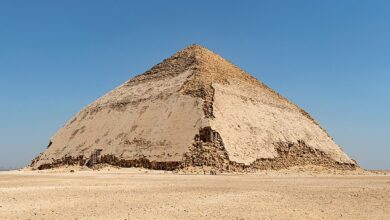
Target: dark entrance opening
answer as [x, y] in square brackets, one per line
[206, 134]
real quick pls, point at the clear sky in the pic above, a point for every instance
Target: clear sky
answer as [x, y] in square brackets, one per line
[332, 58]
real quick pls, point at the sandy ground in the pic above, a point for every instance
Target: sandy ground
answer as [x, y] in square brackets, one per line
[126, 194]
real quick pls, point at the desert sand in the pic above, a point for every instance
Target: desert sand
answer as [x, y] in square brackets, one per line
[141, 194]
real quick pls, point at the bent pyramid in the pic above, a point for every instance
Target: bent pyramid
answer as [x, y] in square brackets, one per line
[195, 109]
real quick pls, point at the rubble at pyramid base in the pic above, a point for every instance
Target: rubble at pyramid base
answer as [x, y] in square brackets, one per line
[208, 153]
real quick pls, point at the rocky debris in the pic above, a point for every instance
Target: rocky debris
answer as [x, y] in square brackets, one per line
[64, 161]
[35, 160]
[299, 154]
[141, 162]
[209, 154]
[208, 151]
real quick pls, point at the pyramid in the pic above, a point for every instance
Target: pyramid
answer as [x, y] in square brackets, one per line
[194, 109]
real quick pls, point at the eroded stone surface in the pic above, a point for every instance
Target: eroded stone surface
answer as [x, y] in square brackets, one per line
[152, 119]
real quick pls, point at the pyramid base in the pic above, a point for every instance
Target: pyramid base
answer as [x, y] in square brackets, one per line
[208, 153]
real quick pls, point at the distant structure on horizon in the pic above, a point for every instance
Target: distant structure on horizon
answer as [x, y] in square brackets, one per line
[193, 110]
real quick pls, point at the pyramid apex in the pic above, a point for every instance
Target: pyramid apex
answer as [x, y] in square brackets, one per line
[196, 48]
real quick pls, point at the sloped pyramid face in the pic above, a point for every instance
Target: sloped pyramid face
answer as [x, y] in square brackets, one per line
[193, 109]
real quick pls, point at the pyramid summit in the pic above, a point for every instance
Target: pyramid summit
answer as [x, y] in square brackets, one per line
[194, 109]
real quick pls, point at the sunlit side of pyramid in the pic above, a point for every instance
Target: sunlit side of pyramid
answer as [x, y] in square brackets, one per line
[195, 109]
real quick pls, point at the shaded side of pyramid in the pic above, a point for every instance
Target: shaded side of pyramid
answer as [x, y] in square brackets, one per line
[195, 109]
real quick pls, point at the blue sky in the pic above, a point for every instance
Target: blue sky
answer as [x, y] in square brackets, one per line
[330, 57]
